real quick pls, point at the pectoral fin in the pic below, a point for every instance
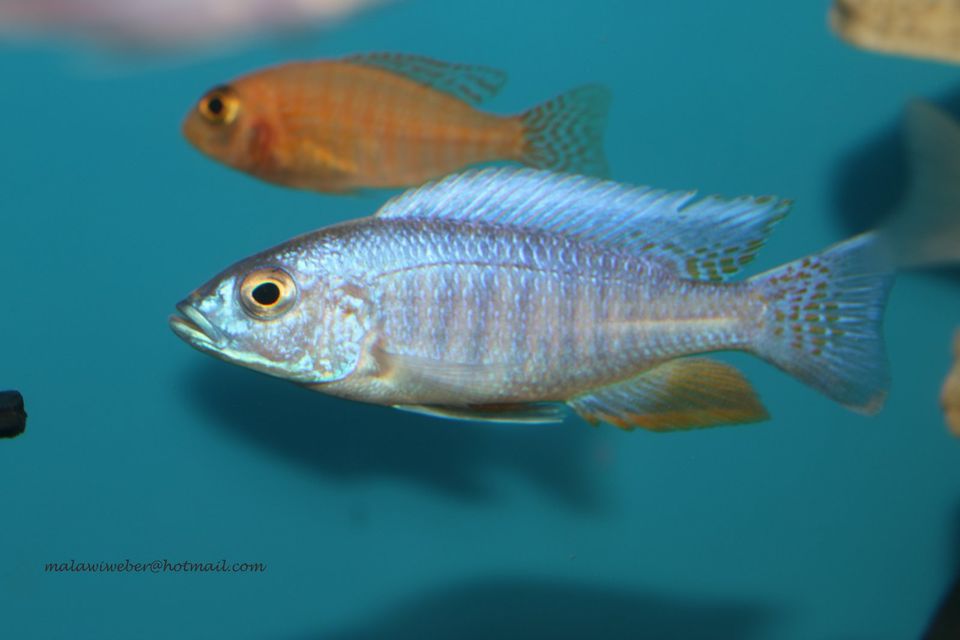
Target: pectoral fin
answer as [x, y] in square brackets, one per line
[456, 380]
[332, 162]
[534, 413]
[451, 385]
[679, 394]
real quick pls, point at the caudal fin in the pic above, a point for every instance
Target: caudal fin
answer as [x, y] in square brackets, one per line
[566, 133]
[823, 321]
[925, 231]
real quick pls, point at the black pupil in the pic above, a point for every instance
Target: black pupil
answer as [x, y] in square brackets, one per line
[266, 294]
[215, 106]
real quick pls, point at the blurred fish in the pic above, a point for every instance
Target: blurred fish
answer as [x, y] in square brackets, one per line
[919, 28]
[169, 24]
[387, 120]
[13, 418]
[924, 231]
[497, 295]
[950, 394]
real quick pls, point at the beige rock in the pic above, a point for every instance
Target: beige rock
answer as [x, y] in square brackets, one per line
[918, 28]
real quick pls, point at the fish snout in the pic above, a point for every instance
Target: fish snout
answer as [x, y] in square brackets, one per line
[194, 328]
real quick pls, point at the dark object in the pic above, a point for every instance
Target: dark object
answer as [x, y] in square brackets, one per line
[946, 621]
[13, 419]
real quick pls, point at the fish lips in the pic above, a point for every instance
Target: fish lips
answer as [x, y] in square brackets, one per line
[192, 327]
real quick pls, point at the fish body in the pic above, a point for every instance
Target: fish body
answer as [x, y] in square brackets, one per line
[518, 315]
[498, 295]
[917, 28]
[386, 120]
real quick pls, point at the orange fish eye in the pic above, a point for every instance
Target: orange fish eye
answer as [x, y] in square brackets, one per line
[267, 293]
[219, 105]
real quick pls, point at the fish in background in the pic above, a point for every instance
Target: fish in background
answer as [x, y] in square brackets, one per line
[917, 28]
[162, 25]
[503, 294]
[950, 394]
[925, 229]
[924, 232]
[383, 120]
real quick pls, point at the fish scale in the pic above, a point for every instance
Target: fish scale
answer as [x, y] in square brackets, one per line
[572, 318]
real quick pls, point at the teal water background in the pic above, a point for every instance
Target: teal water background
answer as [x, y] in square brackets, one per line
[379, 524]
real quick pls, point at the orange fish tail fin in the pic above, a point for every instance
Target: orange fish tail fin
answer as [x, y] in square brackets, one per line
[566, 133]
[823, 321]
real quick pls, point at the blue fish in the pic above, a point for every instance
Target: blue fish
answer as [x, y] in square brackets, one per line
[505, 294]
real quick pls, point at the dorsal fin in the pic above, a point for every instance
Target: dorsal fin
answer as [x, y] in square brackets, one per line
[472, 83]
[708, 239]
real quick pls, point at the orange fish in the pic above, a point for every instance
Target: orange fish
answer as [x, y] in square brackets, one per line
[387, 120]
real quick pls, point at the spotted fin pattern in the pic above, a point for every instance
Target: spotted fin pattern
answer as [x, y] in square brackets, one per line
[679, 394]
[823, 321]
[471, 83]
[708, 239]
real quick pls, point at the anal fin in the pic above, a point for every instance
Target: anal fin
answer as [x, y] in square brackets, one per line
[679, 394]
[533, 413]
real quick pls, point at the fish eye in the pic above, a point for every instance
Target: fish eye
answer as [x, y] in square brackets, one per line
[219, 106]
[267, 293]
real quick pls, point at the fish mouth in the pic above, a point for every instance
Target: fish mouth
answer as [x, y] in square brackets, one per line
[193, 328]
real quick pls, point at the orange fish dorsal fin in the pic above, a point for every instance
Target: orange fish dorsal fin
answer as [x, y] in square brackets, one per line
[679, 394]
[708, 239]
[471, 83]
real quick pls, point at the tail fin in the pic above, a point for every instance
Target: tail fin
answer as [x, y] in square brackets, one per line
[823, 321]
[566, 133]
[926, 229]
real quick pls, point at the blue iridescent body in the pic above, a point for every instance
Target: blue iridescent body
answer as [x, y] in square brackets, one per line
[495, 294]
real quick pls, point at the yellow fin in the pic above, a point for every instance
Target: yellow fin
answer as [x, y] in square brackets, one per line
[679, 394]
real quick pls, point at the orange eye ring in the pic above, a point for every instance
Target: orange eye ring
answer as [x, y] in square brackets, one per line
[220, 105]
[267, 293]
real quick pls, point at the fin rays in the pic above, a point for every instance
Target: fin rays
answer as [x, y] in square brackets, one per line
[679, 394]
[707, 239]
[471, 83]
